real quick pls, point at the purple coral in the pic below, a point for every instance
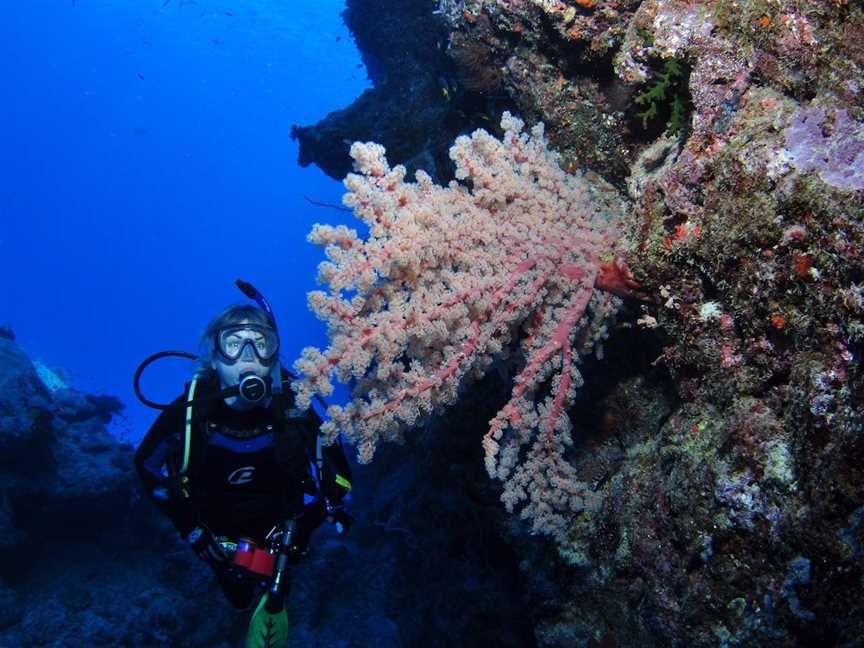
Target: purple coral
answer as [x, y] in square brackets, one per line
[832, 144]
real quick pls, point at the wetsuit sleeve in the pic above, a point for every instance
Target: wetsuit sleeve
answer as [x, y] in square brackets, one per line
[155, 462]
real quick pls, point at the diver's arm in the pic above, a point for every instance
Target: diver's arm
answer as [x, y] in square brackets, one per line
[151, 457]
[335, 487]
[337, 481]
[151, 462]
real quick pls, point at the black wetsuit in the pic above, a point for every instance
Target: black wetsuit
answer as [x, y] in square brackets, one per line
[248, 471]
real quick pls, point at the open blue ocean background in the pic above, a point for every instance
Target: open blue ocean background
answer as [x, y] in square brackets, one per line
[146, 163]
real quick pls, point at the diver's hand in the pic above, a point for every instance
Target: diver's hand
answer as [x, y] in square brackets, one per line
[205, 544]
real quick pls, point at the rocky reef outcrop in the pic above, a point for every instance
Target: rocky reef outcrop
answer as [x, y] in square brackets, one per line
[732, 502]
[84, 560]
[417, 104]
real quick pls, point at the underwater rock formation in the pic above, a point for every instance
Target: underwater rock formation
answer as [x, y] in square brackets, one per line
[56, 455]
[84, 561]
[411, 108]
[552, 59]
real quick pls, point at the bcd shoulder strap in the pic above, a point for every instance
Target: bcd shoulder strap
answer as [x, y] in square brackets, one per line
[185, 491]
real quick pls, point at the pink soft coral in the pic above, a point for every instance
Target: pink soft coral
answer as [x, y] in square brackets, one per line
[447, 281]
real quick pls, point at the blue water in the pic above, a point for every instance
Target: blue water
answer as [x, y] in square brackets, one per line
[146, 163]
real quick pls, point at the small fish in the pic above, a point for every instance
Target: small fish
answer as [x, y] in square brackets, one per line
[165, 4]
[359, 65]
[216, 41]
[445, 87]
[338, 38]
[228, 13]
[140, 76]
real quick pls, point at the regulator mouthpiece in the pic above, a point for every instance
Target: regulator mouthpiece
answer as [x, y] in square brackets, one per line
[252, 388]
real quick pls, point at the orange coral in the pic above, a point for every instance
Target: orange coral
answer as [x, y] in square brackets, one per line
[801, 264]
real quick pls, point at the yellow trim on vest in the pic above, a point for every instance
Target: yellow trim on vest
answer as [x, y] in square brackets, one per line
[344, 483]
[187, 440]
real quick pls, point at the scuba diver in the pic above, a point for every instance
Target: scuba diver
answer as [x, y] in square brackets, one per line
[239, 470]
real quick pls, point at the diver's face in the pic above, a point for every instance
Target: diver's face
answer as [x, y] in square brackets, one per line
[241, 341]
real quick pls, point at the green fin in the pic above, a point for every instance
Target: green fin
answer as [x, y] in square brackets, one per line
[267, 630]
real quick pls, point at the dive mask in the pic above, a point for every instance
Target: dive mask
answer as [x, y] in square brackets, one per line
[232, 341]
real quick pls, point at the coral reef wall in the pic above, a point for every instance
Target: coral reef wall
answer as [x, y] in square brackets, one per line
[733, 515]
[728, 464]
